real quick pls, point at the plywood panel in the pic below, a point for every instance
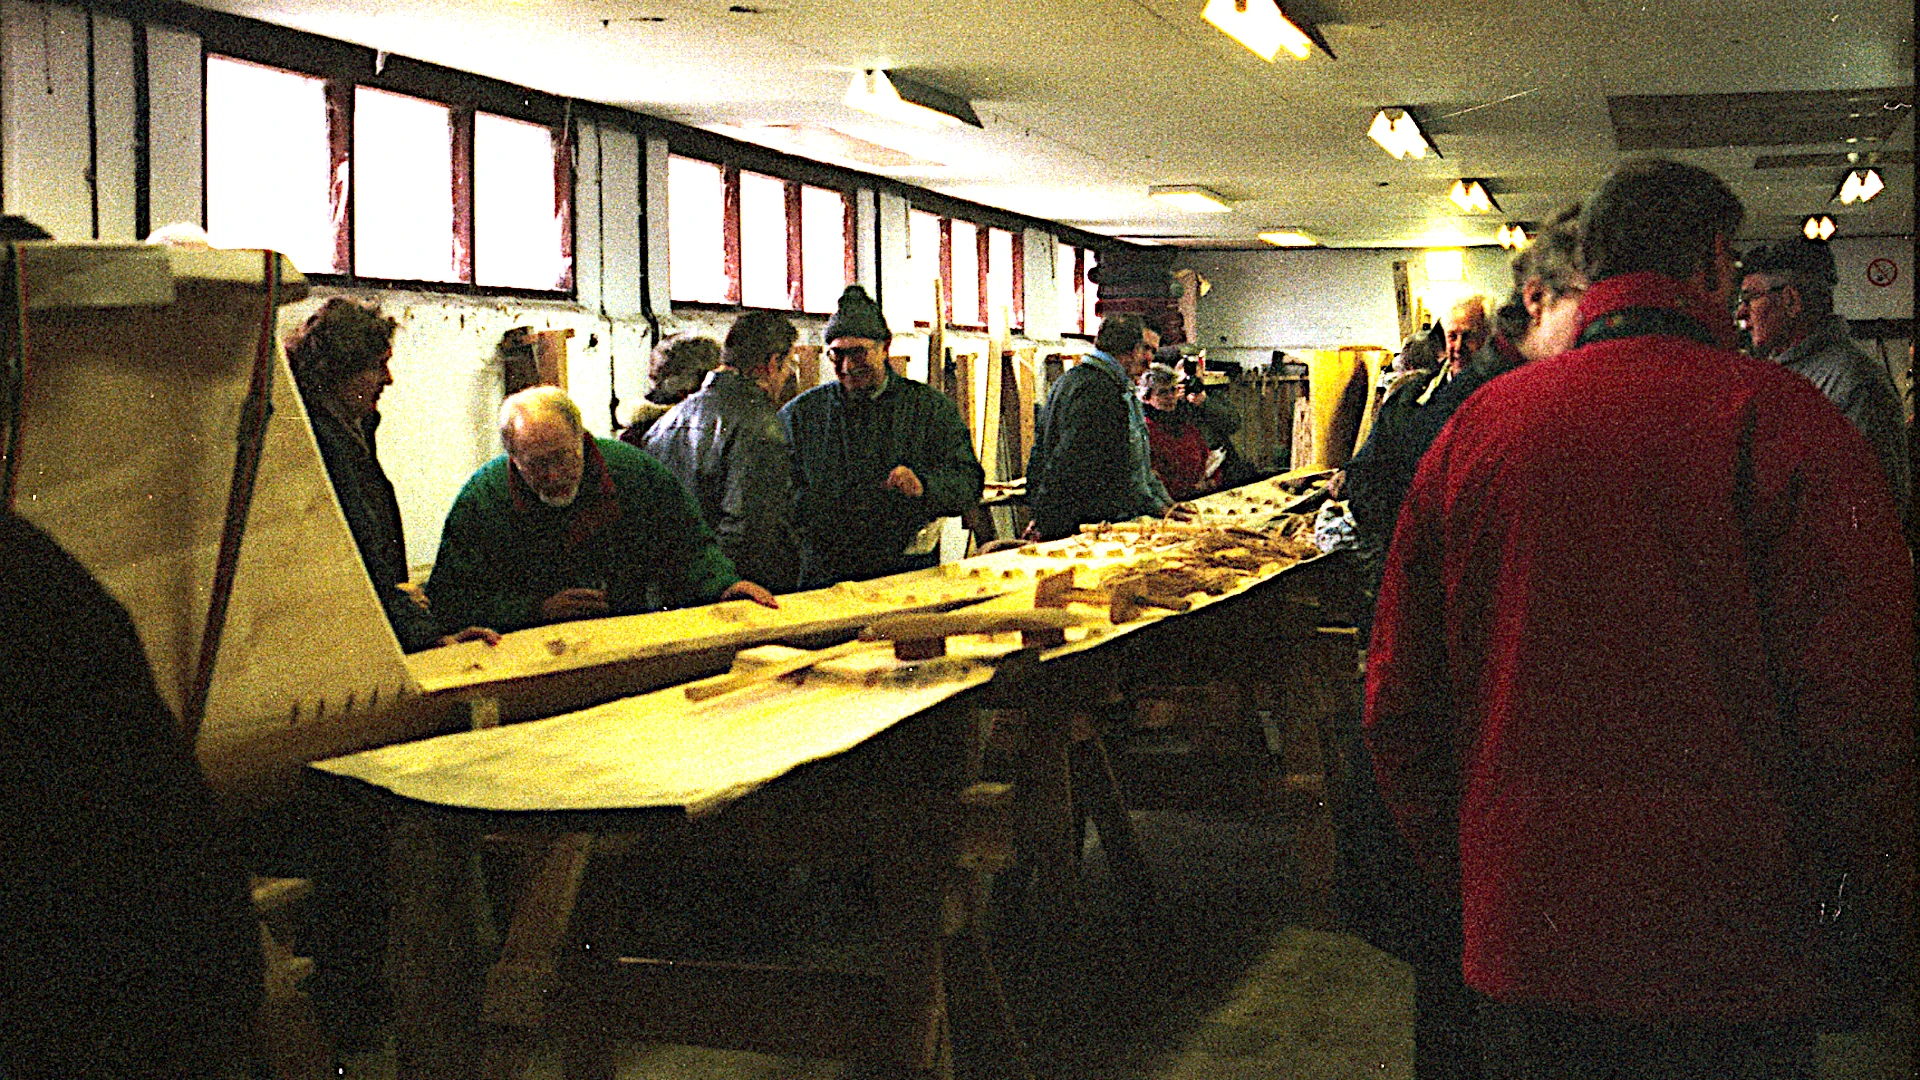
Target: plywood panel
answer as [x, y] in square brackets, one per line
[986, 442]
[807, 365]
[1338, 392]
[962, 392]
[1372, 362]
[1025, 382]
[126, 457]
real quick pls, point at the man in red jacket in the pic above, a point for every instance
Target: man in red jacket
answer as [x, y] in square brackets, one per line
[1641, 681]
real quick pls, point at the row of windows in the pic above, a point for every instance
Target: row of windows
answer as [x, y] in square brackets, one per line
[435, 194]
[737, 237]
[353, 180]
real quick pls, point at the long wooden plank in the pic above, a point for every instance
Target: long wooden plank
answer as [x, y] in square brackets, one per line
[660, 638]
[662, 750]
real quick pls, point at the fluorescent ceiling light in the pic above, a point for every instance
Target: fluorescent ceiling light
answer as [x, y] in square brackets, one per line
[1192, 198]
[1859, 186]
[1513, 236]
[1471, 196]
[1288, 238]
[1398, 134]
[1818, 228]
[908, 102]
[1259, 25]
[1446, 266]
[824, 143]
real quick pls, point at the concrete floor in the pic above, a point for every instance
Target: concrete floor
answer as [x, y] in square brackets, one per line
[1222, 980]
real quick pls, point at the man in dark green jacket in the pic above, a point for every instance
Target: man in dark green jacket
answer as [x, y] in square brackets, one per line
[876, 457]
[566, 526]
[1091, 460]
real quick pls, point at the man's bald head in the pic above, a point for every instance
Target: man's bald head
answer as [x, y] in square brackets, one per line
[1465, 324]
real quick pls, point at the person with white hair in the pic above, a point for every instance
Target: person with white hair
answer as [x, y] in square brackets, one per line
[568, 526]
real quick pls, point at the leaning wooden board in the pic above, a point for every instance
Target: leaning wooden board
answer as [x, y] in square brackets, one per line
[137, 363]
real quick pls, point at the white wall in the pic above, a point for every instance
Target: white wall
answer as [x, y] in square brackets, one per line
[43, 117]
[1314, 299]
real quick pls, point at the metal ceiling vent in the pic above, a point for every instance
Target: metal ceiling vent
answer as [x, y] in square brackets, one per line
[1782, 118]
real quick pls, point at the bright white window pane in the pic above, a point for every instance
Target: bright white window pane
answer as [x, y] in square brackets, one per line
[763, 242]
[1000, 273]
[1063, 279]
[823, 247]
[403, 188]
[516, 230]
[267, 163]
[966, 273]
[696, 231]
[1088, 289]
[923, 263]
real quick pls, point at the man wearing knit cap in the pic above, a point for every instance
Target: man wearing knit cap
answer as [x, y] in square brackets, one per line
[1786, 301]
[876, 458]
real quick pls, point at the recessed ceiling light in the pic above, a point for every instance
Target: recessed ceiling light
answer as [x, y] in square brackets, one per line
[1859, 186]
[1818, 228]
[824, 143]
[908, 102]
[1190, 197]
[1398, 134]
[1259, 25]
[1471, 196]
[1288, 238]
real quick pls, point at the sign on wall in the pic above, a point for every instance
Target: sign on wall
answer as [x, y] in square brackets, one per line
[1876, 277]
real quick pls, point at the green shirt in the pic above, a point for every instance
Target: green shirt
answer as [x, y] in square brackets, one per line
[632, 531]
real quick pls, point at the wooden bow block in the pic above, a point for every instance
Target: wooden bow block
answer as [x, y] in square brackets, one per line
[923, 637]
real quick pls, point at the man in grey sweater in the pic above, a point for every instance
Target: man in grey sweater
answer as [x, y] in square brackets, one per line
[1786, 301]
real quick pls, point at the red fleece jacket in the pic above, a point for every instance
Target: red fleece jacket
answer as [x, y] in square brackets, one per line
[1644, 650]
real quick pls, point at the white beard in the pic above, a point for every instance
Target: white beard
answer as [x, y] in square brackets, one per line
[559, 502]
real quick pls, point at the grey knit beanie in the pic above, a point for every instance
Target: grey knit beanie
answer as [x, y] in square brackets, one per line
[858, 317]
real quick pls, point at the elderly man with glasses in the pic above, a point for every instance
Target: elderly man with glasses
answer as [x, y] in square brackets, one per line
[876, 458]
[1786, 303]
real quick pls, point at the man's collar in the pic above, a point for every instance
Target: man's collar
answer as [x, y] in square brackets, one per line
[1646, 289]
[734, 377]
[1111, 362]
[1823, 333]
[362, 428]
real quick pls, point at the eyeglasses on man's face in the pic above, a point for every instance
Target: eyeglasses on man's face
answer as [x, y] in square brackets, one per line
[1748, 296]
